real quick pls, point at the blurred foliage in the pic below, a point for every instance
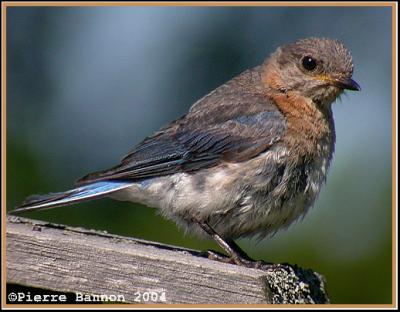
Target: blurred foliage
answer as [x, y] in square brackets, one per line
[86, 84]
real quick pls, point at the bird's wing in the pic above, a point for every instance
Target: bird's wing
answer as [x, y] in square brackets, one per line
[187, 151]
[240, 127]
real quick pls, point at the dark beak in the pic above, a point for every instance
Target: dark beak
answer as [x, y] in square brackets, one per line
[348, 84]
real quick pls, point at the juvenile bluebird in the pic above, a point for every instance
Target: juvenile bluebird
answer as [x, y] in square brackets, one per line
[247, 159]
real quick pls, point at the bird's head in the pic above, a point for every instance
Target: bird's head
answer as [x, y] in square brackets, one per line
[316, 68]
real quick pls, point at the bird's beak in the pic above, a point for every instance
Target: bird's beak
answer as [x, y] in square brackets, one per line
[347, 83]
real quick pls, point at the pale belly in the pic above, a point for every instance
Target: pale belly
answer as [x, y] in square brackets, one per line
[257, 197]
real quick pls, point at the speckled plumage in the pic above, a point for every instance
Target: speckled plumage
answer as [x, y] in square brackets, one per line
[249, 158]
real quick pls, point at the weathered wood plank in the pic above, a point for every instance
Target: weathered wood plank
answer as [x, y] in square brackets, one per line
[66, 259]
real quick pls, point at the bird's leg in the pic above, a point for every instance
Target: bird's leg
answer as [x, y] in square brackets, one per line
[237, 249]
[237, 255]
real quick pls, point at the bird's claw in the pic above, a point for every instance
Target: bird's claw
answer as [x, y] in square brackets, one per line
[249, 263]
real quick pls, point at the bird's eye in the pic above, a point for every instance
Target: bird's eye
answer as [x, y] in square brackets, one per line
[309, 63]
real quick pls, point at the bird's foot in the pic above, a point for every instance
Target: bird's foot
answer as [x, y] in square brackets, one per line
[235, 259]
[237, 255]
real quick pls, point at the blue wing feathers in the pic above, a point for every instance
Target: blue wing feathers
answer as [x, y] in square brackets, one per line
[190, 149]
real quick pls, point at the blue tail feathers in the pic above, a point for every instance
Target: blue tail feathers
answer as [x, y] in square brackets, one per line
[79, 194]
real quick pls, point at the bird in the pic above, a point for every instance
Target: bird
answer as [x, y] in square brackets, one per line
[246, 160]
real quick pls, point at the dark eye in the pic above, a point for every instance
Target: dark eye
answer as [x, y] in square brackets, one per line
[309, 63]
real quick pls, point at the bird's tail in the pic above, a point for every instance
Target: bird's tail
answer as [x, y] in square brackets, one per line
[76, 195]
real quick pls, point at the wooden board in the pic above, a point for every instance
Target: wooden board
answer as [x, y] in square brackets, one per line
[87, 262]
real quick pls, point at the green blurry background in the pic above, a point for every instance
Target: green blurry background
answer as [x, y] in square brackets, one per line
[86, 84]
